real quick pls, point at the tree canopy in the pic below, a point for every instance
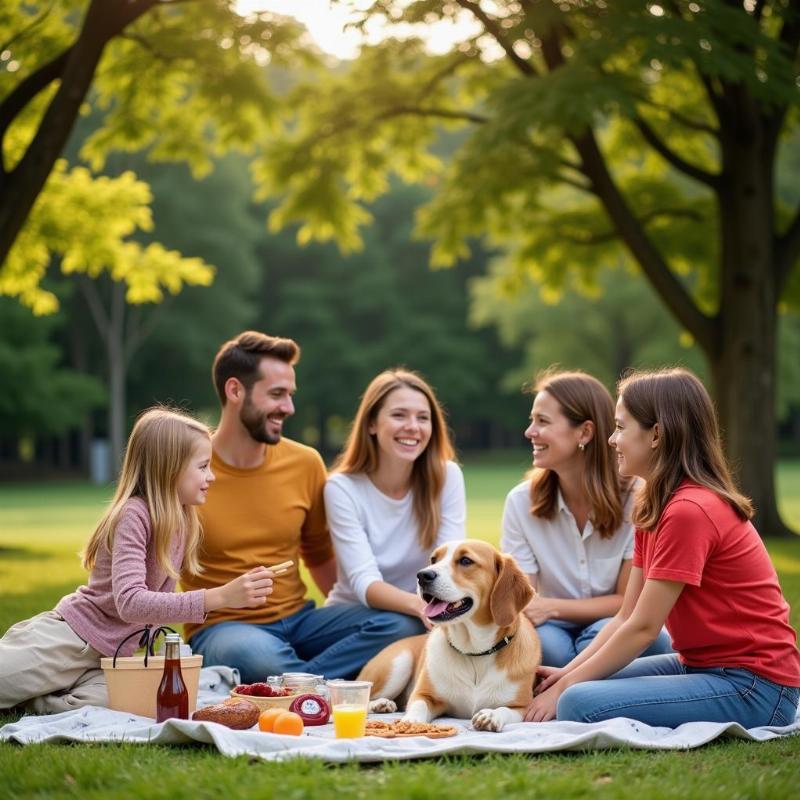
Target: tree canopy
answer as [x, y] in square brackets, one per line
[181, 80]
[596, 132]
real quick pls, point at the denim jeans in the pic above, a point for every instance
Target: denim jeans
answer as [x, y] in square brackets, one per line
[334, 641]
[661, 691]
[562, 641]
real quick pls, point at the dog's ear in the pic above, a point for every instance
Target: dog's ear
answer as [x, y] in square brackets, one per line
[511, 591]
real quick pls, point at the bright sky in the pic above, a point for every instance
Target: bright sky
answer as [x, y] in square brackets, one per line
[325, 22]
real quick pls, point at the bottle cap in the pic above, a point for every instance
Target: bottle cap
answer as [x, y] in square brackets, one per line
[172, 638]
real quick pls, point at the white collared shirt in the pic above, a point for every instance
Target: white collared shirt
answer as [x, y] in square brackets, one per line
[568, 563]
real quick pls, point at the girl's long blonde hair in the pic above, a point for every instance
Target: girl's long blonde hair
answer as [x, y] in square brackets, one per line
[159, 448]
[360, 454]
[691, 447]
[583, 398]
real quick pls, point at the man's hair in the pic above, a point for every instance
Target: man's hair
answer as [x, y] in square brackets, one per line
[240, 358]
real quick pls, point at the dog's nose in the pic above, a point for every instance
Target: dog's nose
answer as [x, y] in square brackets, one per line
[426, 576]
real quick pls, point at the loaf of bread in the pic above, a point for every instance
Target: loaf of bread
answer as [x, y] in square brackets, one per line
[236, 714]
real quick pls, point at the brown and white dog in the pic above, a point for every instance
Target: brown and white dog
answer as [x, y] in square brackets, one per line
[480, 659]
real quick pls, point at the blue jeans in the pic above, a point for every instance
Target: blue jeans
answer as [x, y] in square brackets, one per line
[334, 641]
[562, 641]
[661, 691]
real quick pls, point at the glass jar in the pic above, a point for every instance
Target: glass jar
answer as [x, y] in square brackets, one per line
[302, 682]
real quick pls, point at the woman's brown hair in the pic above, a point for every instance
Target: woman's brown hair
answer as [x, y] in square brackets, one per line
[582, 398]
[360, 454]
[690, 445]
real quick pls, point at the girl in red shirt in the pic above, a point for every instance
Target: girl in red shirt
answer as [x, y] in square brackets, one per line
[700, 567]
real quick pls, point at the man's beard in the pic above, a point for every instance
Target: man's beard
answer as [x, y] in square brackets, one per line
[256, 423]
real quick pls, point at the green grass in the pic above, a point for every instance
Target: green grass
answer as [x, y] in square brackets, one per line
[42, 527]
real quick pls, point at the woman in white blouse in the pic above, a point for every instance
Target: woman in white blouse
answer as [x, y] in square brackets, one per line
[395, 494]
[568, 524]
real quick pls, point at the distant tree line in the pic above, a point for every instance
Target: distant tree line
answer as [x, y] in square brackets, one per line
[476, 338]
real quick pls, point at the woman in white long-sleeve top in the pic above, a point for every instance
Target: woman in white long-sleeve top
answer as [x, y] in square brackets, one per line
[395, 495]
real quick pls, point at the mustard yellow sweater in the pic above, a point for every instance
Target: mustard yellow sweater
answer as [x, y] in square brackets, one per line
[265, 515]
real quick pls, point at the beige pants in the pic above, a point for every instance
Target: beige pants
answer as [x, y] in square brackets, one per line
[45, 665]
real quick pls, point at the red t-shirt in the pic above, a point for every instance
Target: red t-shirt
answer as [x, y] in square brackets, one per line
[731, 612]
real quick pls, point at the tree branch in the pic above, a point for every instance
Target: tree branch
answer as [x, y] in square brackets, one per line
[447, 69]
[139, 332]
[789, 38]
[443, 113]
[146, 45]
[682, 119]
[576, 184]
[669, 155]
[610, 236]
[713, 97]
[27, 179]
[27, 89]
[92, 296]
[28, 28]
[491, 27]
[631, 232]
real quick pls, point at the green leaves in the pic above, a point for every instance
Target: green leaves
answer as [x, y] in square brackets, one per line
[184, 81]
[86, 222]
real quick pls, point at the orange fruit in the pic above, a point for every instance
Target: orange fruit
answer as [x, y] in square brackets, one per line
[288, 723]
[266, 719]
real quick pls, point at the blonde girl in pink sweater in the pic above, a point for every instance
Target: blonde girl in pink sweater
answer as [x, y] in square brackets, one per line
[149, 532]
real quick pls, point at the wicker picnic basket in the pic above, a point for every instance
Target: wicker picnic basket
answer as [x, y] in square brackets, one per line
[133, 680]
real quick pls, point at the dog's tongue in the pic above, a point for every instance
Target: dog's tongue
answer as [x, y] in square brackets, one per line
[435, 607]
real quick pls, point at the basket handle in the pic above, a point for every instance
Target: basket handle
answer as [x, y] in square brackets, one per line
[147, 639]
[144, 639]
[161, 630]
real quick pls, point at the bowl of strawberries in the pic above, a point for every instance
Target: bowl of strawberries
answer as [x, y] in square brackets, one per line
[264, 696]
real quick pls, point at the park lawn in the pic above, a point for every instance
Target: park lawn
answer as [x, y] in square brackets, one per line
[43, 527]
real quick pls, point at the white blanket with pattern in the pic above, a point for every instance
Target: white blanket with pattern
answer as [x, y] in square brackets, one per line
[92, 724]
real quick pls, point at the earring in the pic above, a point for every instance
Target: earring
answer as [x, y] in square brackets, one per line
[581, 446]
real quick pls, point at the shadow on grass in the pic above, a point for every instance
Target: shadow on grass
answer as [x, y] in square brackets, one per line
[24, 554]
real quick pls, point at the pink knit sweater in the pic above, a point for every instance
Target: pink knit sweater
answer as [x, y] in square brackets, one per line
[128, 589]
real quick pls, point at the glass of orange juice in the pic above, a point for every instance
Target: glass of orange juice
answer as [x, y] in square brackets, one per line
[349, 703]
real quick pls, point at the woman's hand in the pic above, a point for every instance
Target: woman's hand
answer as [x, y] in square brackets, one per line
[543, 707]
[540, 609]
[547, 677]
[249, 590]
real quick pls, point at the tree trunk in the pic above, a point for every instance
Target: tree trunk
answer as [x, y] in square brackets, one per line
[75, 69]
[743, 363]
[117, 369]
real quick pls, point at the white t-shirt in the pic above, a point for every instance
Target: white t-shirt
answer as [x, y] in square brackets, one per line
[569, 564]
[376, 537]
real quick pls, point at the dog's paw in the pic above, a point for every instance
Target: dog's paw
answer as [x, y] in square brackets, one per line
[488, 719]
[382, 705]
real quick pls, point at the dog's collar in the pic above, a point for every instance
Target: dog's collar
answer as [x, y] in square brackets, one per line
[499, 646]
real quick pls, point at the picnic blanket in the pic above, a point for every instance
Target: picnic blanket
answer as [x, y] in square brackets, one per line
[93, 724]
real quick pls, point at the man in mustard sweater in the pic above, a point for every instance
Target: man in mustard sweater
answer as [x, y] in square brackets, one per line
[264, 508]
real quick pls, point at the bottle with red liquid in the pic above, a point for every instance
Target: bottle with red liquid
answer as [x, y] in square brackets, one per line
[173, 696]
